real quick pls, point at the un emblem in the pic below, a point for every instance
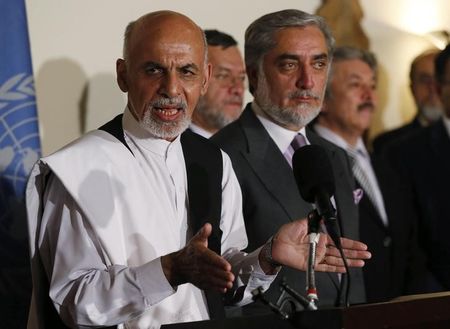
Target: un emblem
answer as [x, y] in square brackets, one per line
[19, 137]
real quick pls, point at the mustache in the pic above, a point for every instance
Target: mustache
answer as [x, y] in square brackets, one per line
[368, 105]
[303, 93]
[171, 101]
[235, 99]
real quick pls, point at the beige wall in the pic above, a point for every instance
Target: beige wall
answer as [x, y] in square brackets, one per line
[75, 43]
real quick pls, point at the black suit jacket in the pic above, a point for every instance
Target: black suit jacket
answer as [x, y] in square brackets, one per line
[382, 141]
[271, 199]
[397, 266]
[423, 160]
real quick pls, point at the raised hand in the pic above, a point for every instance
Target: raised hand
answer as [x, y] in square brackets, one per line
[290, 247]
[197, 264]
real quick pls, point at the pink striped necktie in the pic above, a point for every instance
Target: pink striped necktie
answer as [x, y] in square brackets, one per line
[298, 141]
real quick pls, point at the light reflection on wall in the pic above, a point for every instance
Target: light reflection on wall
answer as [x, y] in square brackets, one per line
[398, 31]
[412, 16]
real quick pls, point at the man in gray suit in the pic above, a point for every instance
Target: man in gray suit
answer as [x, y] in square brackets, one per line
[287, 57]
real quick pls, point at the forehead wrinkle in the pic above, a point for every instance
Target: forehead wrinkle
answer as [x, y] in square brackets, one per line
[157, 25]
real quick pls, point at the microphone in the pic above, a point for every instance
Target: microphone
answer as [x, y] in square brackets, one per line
[315, 181]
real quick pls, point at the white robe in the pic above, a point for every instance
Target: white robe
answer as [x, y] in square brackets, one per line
[109, 216]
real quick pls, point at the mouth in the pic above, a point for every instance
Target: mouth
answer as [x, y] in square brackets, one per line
[234, 101]
[234, 104]
[303, 97]
[167, 113]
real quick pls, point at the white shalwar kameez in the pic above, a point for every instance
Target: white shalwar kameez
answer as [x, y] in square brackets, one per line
[109, 215]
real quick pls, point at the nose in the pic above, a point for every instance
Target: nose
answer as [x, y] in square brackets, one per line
[170, 85]
[432, 87]
[237, 86]
[368, 93]
[305, 78]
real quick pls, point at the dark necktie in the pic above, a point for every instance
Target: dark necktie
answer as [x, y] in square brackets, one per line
[298, 141]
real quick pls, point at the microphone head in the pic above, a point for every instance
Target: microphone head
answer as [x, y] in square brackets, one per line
[313, 172]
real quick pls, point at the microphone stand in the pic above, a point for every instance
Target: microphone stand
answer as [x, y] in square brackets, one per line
[313, 235]
[257, 294]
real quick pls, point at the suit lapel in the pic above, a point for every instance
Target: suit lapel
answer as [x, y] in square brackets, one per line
[386, 193]
[440, 142]
[271, 167]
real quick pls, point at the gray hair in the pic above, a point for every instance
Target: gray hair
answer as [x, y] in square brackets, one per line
[260, 35]
[349, 53]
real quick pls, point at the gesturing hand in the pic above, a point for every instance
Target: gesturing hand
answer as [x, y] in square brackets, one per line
[197, 264]
[290, 248]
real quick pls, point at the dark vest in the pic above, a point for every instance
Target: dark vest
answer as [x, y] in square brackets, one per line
[204, 169]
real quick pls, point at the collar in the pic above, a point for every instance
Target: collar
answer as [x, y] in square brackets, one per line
[199, 130]
[280, 135]
[334, 138]
[446, 121]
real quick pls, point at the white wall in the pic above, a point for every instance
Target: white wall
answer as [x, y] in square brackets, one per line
[75, 44]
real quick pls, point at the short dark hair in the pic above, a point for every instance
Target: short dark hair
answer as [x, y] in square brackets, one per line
[440, 64]
[218, 38]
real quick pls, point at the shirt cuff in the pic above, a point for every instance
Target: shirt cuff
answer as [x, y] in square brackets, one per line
[257, 269]
[153, 282]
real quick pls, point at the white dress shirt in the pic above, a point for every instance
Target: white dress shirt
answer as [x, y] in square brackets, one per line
[446, 124]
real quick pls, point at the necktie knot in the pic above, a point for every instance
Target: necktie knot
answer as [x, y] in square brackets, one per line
[298, 141]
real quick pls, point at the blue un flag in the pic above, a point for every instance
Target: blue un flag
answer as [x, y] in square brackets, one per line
[19, 150]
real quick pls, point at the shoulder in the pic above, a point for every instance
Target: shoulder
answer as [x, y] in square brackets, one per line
[238, 135]
[96, 154]
[385, 139]
[230, 137]
[410, 142]
[94, 143]
[330, 148]
[194, 141]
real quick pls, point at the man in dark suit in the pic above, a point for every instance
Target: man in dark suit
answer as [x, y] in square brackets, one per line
[387, 222]
[287, 56]
[423, 90]
[222, 102]
[423, 160]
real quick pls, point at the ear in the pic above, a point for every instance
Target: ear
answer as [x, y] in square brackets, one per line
[438, 88]
[252, 75]
[121, 71]
[323, 110]
[206, 77]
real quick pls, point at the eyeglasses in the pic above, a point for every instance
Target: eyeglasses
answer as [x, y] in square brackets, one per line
[227, 79]
[425, 79]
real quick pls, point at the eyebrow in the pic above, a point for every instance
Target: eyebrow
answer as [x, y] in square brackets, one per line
[190, 66]
[359, 77]
[297, 57]
[163, 67]
[223, 68]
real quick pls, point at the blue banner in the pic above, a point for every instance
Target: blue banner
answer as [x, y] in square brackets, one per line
[19, 150]
[19, 137]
